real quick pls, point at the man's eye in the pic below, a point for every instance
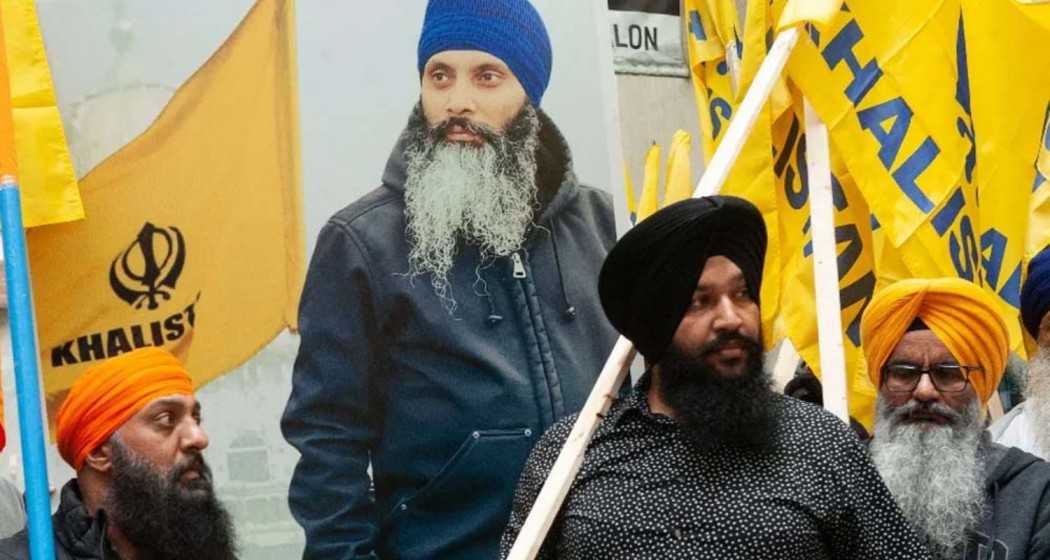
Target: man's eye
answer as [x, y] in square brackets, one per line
[164, 419]
[489, 77]
[438, 76]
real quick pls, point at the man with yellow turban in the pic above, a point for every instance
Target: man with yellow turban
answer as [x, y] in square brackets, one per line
[131, 428]
[936, 350]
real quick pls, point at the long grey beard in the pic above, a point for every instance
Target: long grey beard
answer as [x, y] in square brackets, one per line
[1037, 395]
[483, 195]
[934, 473]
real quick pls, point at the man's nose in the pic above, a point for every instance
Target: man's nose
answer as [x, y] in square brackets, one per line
[460, 100]
[194, 437]
[728, 318]
[925, 391]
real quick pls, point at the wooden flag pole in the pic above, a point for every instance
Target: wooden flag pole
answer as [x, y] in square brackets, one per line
[825, 266]
[548, 502]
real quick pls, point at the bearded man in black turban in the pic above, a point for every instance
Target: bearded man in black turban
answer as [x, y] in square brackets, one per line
[702, 459]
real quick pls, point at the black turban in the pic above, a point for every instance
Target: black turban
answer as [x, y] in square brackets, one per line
[649, 276]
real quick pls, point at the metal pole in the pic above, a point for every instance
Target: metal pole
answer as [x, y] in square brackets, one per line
[27, 373]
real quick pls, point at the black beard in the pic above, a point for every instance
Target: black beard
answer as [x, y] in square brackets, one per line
[713, 410]
[165, 518]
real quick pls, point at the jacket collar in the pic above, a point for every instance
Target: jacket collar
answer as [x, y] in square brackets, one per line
[76, 531]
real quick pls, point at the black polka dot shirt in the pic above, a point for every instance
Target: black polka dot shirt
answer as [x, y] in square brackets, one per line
[645, 492]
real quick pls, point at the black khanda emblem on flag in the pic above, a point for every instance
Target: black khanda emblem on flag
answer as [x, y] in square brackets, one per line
[146, 272]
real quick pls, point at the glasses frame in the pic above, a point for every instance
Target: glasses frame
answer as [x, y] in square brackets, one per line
[928, 370]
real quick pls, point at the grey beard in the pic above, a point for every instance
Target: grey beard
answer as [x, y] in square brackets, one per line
[934, 472]
[484, 195]
[1037, 398]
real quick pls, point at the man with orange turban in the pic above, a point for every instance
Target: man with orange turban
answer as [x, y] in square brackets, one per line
[131, 428]
[936, 350]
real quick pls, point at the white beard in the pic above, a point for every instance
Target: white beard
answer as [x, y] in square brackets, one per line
[1037, 398]
[484, 195]
[934, 473]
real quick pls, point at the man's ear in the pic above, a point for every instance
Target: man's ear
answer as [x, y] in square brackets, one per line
[1043, 340]
[101, 459]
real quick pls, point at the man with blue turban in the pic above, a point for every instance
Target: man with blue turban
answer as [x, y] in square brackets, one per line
[1027, 426]
[451, 315]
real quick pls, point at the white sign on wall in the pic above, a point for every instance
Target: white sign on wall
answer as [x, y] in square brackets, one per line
[647, 37]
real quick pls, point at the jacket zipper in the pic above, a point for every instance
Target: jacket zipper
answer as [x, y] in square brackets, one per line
[519, 267]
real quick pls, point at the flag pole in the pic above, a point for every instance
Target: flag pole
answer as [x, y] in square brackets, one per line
[567, 465]
[825, 266]
[27, 372]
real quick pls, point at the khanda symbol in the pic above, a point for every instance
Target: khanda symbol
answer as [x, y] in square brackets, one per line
[148, 269]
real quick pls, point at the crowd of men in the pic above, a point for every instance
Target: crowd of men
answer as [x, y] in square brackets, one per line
[454, 320]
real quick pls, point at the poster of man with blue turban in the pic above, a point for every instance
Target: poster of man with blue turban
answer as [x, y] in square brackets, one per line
[450, 314]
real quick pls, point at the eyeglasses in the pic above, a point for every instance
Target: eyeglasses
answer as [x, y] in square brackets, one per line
[946, 378]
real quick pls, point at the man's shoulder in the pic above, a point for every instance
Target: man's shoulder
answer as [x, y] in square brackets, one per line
[380, 206]
[558, 433]
[15, 547]
[801, 420]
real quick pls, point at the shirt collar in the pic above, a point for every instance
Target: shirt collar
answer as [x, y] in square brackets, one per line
[636, 402]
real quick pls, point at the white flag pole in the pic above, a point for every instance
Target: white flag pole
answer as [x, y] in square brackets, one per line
[567, 465]
[825, 266]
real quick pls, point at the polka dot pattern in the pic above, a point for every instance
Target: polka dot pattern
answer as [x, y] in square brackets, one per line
[644, 491]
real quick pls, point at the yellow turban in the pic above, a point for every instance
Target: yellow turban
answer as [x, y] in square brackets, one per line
[962, 315]
[109, 394]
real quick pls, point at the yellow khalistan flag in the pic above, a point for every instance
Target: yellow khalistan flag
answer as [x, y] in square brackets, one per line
[45, 169]
[193, 238]
[712, 43]
[772, 173]
[1012, 153]
[678, 181]
[650, 200]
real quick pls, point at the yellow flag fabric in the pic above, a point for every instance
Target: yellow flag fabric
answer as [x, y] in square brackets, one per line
[855, 258]
[713, 46]
[45, 169]
[650, 201]
[193, 239]
[877, 77]
[1009, 125]
[628, 185]
[819, 12]
[771, 172]
[752, 176]
[678, 179]
[935, 153]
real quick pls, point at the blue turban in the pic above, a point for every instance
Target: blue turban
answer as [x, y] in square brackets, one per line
[510, 30]
[1035, 296]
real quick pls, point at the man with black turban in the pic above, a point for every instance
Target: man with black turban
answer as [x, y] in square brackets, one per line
[702, 459]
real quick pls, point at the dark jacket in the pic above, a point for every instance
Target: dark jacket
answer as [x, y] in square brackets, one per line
[1017, 525]
[78, 536]
[444, 407]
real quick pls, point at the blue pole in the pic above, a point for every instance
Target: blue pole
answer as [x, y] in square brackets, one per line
[27, 372]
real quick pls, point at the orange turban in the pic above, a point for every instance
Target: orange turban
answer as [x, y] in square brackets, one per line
[109, 394]
[962, 315]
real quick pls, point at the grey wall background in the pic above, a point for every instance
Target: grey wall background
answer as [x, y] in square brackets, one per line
[116, 63]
